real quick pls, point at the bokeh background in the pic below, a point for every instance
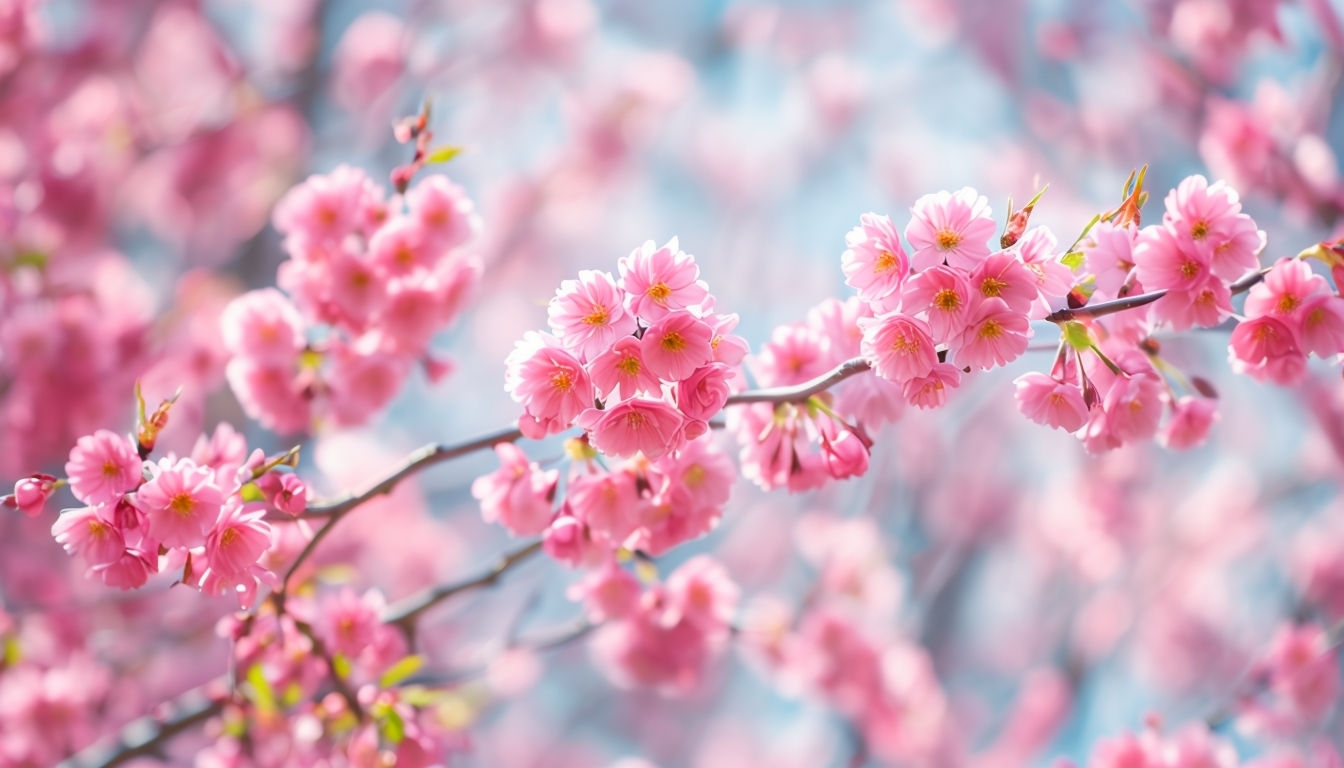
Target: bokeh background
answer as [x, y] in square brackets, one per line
[142, 145]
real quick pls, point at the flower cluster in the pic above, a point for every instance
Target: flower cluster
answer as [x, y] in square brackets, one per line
[1289, 315]
[641, 362]
[1109, 384]
[953, 304]
[640, 504]
[203, 513]
[368, 287]
[662, 637]
[800, 446]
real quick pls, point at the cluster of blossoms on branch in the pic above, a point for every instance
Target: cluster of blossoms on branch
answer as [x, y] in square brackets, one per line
[641, 362]
[202, 514]
[369, 282]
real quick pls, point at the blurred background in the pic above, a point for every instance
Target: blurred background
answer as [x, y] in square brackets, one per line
[143, 145]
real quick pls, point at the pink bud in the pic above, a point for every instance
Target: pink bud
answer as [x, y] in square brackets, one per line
[31, 493]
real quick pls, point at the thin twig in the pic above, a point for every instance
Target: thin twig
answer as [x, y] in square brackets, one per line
[404, 612]
[801, 392]
[1130, 302]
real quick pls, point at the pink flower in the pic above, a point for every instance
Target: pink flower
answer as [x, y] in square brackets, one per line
[84, 532]
[1002, 276]
[951, 226]
[661, 280]
[31, 494]
[324, 209]
[103, 466]
[845, 452]
[676, 345]
[608, 593]
[1206, 305]
[1304, 673]
[447, 216]
[702, 394]
[285, 491]
[588, 314]
[795, 353]
[609, 503]
[130, 571]
[362, 383]
[994, 335]
[400, 248]
[566, 541]
[263, 326]
[942, 295]
[238, 540]
[1210, 218]
[898, 346]
[637, 425]
[550, 383]
[270, 395]
[700, 591]
[1133, 407]
[875, 262]
[1322, 328]
[1266, 349]
[349, 622]
[518, 495]
[1053, 403]
[621, 369]
[181, 502]
[1160, 261]
[729, 348]
[356, 288]
[931, 391]
[1190, 422]
[1285, 290]
[1108, 253]
[697, 480]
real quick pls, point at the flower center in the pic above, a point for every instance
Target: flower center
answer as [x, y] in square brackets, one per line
[659, 292]
[228, 537]
[598, 316]
[110, 469]
[990, 330]
[1288, 302]
[562, 381]
[673, 342]
[886, 261]
[947, 239]
[993, 286]
[629, 365]
[947, 300]
[1189, 269]
[1199, 230]
[903, 344]
[182, 504]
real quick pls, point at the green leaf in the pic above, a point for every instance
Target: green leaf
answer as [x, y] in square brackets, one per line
[401, 670]
[30, 258]
[340, 665]
[443, 154]
[1073, 260]
[262, 693]
[419, 696]
[1077, 336]
[391, 726]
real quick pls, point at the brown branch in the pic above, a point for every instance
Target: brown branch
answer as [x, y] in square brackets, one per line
[1130, 302]
[404, 612]
[801, 392]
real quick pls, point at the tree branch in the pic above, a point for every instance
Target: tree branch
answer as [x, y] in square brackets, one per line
[404, 612]
[800, 392]
[147, 736]
[1130, 302]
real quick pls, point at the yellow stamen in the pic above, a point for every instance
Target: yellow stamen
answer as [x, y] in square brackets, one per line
[182, 504]
[992, 286]
[886, 261]
[597, 317]
[947, 300]
[990, 330]
[947, 240]
[659, 292]
[673, 342]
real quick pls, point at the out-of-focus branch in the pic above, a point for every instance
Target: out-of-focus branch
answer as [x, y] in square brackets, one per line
[147, 736]
[404, 613]
[1334, 639]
